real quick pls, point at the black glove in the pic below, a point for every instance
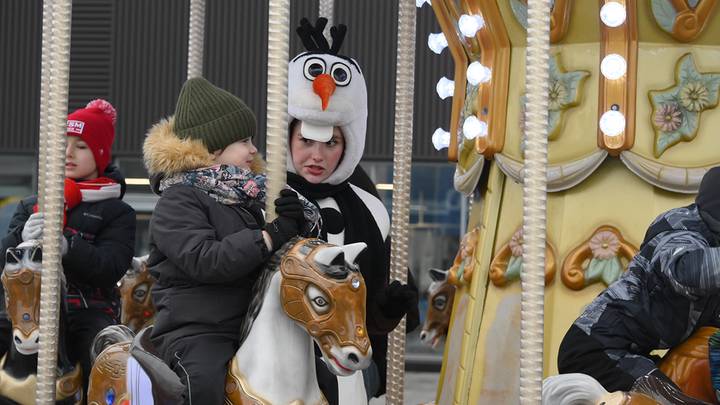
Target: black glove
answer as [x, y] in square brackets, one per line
[289, 205]
[281, 230]
[398, 299]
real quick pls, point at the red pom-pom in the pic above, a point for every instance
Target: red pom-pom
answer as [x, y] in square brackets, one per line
[105, 106]
[73, 195]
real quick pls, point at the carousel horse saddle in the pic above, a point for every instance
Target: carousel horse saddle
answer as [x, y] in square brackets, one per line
[166, 385]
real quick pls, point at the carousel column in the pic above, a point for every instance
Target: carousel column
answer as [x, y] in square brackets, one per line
[56, 44]
[196, 39]
[402, 159]
[277, 107]
[534, 203]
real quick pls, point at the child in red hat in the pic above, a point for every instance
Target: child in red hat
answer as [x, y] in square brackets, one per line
[99, 231]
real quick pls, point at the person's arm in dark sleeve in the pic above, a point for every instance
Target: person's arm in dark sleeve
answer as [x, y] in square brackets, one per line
[181, 230]
[104, 262]
[13, 237]
[690, 265]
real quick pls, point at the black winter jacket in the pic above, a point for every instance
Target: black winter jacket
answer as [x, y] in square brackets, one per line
[205, 256]
[101, 244]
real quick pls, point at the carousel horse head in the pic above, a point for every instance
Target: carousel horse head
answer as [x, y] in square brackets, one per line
[441, 295]
[322, 291]
[138, 309]
[21, 280]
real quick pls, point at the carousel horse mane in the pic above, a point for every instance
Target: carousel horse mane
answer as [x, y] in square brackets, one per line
[261, 285]
[571, 389]
[108, 336]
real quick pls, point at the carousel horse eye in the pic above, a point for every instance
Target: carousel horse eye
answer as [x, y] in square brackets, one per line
[320, 301]
[140, 292]
[439, 302]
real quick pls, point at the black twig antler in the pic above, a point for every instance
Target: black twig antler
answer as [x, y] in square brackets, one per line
[313, 39]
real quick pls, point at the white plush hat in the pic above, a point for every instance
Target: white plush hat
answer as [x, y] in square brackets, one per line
[326, 90]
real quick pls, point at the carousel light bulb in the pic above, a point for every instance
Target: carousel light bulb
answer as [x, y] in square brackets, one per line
[441, 139]
[612, 123]
[477, 73]
[470, 24]
[420, 3]
[613, 14]
[445, 88]
[437, 42]
[613, 66]
[473, 127]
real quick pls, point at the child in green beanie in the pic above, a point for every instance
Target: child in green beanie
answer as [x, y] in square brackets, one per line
[208, 236]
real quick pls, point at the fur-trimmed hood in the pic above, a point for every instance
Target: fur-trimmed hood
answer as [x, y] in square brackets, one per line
[164, 153]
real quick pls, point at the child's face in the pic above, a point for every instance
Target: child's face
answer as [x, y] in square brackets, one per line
[79, 160]
[240, 153]
[316, 161]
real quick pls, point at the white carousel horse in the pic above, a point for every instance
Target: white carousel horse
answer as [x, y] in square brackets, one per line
[318, 295]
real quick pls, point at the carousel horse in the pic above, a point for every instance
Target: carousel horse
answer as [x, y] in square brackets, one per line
[310, 291]
[21, 281]
[441, 295]
[138, 310]
[582, 389]
[688, 366]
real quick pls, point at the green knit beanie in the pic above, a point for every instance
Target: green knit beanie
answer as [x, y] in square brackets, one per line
[212, 115]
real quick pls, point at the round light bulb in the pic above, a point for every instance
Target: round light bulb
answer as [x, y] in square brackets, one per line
[613, 66]
[477, 73]
[613, 14]
[469, 24]
[441, 139]
[437, 42]
[473, 127]
[420, 3]
[445, 88]
[612, 123]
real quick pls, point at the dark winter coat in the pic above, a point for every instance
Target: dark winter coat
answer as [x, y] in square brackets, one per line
[204, 254]
[101, 243]
[671, 289]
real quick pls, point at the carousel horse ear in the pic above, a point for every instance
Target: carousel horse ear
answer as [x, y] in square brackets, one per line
[327, 255]
[353, 250]
[438, 275]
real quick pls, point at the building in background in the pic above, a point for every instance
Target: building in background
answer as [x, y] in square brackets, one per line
[133, 53]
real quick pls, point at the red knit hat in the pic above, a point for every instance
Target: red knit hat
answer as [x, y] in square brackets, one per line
[95, 125]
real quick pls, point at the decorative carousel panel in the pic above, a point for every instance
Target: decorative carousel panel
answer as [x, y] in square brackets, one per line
[507, 265]
[676, 140]
[602, 257]
[684, 20]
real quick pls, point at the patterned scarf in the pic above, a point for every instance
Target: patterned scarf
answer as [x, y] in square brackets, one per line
[234, 185]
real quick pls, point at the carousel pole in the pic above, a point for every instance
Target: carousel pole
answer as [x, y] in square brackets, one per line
[534, 202]
[55, 71]
[402, 159]
[326, 8]
[277, 107]
[196, 39]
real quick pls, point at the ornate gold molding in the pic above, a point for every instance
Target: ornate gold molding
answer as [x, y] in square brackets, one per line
[619, 94]
[506, 266]
[682, 21]
[605, 244]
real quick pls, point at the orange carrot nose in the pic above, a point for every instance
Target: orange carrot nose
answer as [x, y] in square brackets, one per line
[324, 86]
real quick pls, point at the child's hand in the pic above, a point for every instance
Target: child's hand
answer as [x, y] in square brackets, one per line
[33, 227]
